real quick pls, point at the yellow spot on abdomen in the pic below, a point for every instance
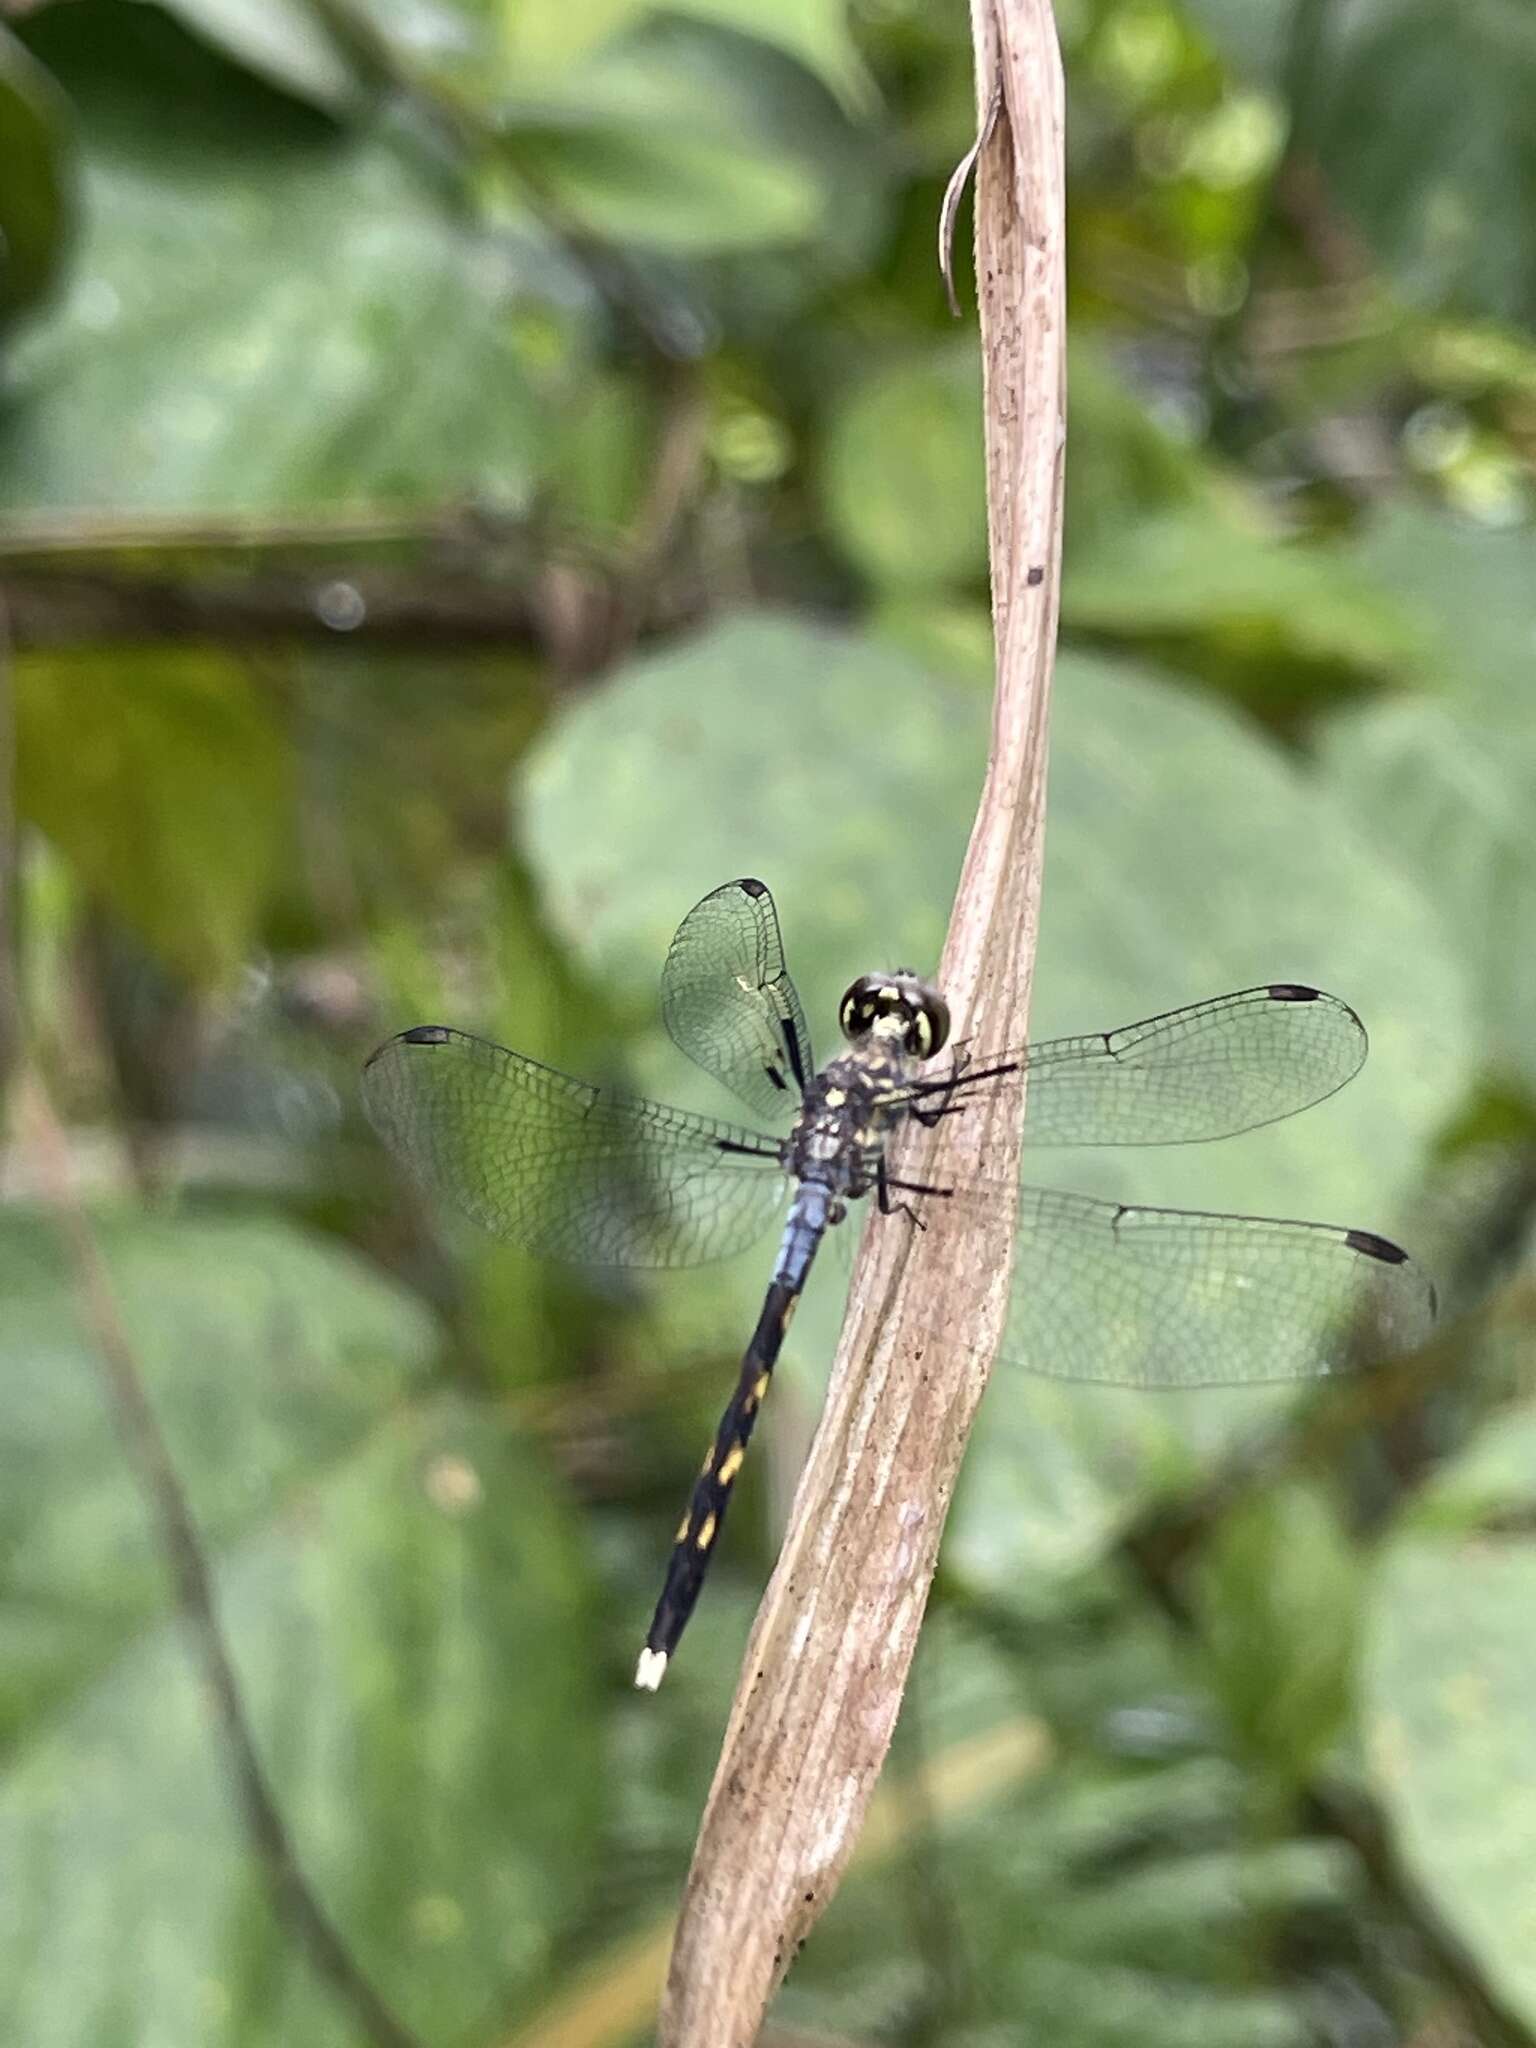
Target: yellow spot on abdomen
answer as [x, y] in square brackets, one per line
[706, 1535]
[730, 1465]
[760, 1391]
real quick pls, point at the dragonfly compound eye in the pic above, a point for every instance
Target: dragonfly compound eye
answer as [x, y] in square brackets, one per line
[861, 1006]
[928, 1031]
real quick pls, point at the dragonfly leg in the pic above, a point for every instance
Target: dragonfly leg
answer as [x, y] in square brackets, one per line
[883, 1186]
[928, 1114]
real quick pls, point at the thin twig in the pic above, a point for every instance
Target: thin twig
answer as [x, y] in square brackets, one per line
[829, 1655]
[294, 1901]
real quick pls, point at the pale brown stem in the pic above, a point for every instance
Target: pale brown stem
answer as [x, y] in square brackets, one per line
[834, 1638]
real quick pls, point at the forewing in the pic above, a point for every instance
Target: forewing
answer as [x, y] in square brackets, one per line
[1164, 1298]
[565, 1169]
[729, 1003]
[1208, 1071]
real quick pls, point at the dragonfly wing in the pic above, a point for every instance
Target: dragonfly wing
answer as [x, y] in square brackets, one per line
[1148, 1297]
[563, 1168]
[1207, 1071]
[729, 1003]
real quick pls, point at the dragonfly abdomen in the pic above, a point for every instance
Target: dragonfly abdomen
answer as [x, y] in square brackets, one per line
[699, 1531]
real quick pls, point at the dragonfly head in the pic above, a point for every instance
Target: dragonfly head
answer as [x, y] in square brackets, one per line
[896, 1006]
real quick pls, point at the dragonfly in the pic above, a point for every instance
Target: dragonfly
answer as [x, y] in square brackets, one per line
[1100, 1291]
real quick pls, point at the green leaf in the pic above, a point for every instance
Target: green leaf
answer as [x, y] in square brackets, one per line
[280, 40]
[161, 778]
[263, 318]
[1448, 1679]
[1448, 784]
[902, 473]
[1187, 856]
[545, 36]
[669, 138]
[1456, 799]
[1465, 591]
[1253, 38]
[1211, 572]
[1277, 1595]
[267, 1355]
[1126, 463]
[1441, 182]
[1153, 1903]
[37, 196]
[407, 1608]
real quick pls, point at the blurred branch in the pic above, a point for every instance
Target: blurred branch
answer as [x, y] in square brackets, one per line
[829, 1654]
[294, 1901]
[93, 531]
[70, 608]
[673, 487]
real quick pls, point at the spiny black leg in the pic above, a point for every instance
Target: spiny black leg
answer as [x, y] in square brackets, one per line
[960, 1059]
[929, 1117]
[884, 1185]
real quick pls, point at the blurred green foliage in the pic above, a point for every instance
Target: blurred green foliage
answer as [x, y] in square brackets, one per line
[473, 475]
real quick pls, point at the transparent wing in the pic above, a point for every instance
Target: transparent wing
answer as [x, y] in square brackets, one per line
[729, 1003]
[1208, 1071]
[563, 1168]
[1143, 1297]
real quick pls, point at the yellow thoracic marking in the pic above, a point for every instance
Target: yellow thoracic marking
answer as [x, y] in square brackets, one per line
[835, 1097]
[890, 995]
[682, 1529]
[706, 1535]
[730, 1465]
[760, 1391]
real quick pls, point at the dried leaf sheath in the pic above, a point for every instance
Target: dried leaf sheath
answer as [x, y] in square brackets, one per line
[835, 1635]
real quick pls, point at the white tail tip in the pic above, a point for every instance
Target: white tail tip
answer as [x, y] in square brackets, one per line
[651, 1669]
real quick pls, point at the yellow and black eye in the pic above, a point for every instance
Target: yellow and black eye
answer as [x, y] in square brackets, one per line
[928, 1030]
[860, 1006]
[907, 1007]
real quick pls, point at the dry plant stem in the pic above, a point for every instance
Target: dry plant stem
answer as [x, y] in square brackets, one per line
[295, 1904]
[834, 1638]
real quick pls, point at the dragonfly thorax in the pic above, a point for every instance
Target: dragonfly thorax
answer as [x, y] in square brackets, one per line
[851, 1109]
